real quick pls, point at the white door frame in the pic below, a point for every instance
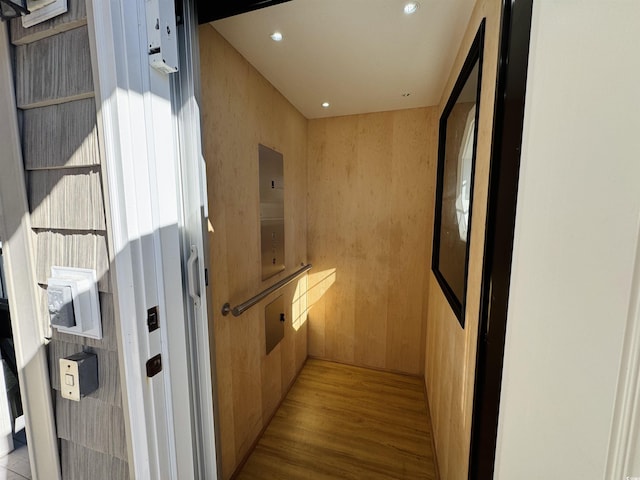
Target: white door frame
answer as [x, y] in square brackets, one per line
[15, 231]
[186, 100]
[142, 165]
[624, 457]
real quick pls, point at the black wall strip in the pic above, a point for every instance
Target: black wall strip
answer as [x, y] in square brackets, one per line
[210, 10]
[501, 216]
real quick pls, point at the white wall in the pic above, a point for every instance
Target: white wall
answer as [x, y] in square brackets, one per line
[575, 240]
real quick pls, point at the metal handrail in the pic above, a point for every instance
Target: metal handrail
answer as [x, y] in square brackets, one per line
[244, 306]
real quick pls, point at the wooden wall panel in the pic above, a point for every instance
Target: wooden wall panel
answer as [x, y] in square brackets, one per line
[371, 183]
[66, 199]
[240, 109]
[75, 16]
[450, 350]
[67, 54]
[80, 463]
[62, 135]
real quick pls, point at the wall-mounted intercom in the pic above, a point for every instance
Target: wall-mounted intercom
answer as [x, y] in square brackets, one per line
[72, 297]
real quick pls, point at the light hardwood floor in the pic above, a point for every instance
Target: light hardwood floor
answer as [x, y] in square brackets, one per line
[343, 422]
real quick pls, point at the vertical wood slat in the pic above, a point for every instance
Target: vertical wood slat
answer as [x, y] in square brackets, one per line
[66, 199]
[80, 463]
[60, 136]
[54, 70]
[81, 250]
[75, 16]
[108, 390]
[101, 428]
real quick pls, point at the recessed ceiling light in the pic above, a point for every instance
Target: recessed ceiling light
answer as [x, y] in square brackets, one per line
[411, 7]
[276, 36]
[325, 104]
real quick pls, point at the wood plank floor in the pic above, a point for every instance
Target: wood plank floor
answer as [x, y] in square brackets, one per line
[346, 422]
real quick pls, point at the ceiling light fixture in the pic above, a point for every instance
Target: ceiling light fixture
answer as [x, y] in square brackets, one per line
[406, 94]
[411, 7]
[276, 36]
[325, 104]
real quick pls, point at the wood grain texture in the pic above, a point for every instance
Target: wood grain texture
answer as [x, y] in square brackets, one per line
[450, 350]
[371, 182]
[240, 110]
[60, 136]
[66, 199]
[101, 430]
[54, 70]
[72, 249]
[75, 16]
[341, 421]
[80, 463]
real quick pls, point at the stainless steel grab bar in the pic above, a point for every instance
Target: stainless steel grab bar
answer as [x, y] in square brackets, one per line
[244, 306]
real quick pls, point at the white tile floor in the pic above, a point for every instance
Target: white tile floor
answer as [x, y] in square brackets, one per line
[15, 466]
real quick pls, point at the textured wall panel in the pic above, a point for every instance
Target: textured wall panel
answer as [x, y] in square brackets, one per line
[101, 427]
[79, 463]
[56, 69]
[65, 249]
[66, 199]
[62, 135]
[76, 16]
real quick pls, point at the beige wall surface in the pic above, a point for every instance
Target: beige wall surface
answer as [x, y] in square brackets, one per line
[240, 109]
[573, 307]
[451, 350]
[370, 207]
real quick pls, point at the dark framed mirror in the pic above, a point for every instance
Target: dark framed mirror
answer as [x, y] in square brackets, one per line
[454, 189]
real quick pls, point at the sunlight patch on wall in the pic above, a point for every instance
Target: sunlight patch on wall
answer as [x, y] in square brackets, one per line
[310, 290]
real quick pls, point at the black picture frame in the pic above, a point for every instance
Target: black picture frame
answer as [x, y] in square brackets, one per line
[455, 180]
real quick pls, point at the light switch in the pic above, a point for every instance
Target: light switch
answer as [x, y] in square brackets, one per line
[69, 387]
[78, 375]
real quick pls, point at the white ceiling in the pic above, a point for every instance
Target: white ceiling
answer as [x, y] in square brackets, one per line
[359, 55]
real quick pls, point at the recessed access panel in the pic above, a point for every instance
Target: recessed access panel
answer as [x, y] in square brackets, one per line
[271, 211]
[274, 319]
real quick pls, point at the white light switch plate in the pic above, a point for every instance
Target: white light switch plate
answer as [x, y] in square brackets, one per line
[69, 375]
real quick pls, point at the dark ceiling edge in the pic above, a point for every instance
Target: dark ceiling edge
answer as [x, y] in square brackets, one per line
[208, 10]
[498, 248]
